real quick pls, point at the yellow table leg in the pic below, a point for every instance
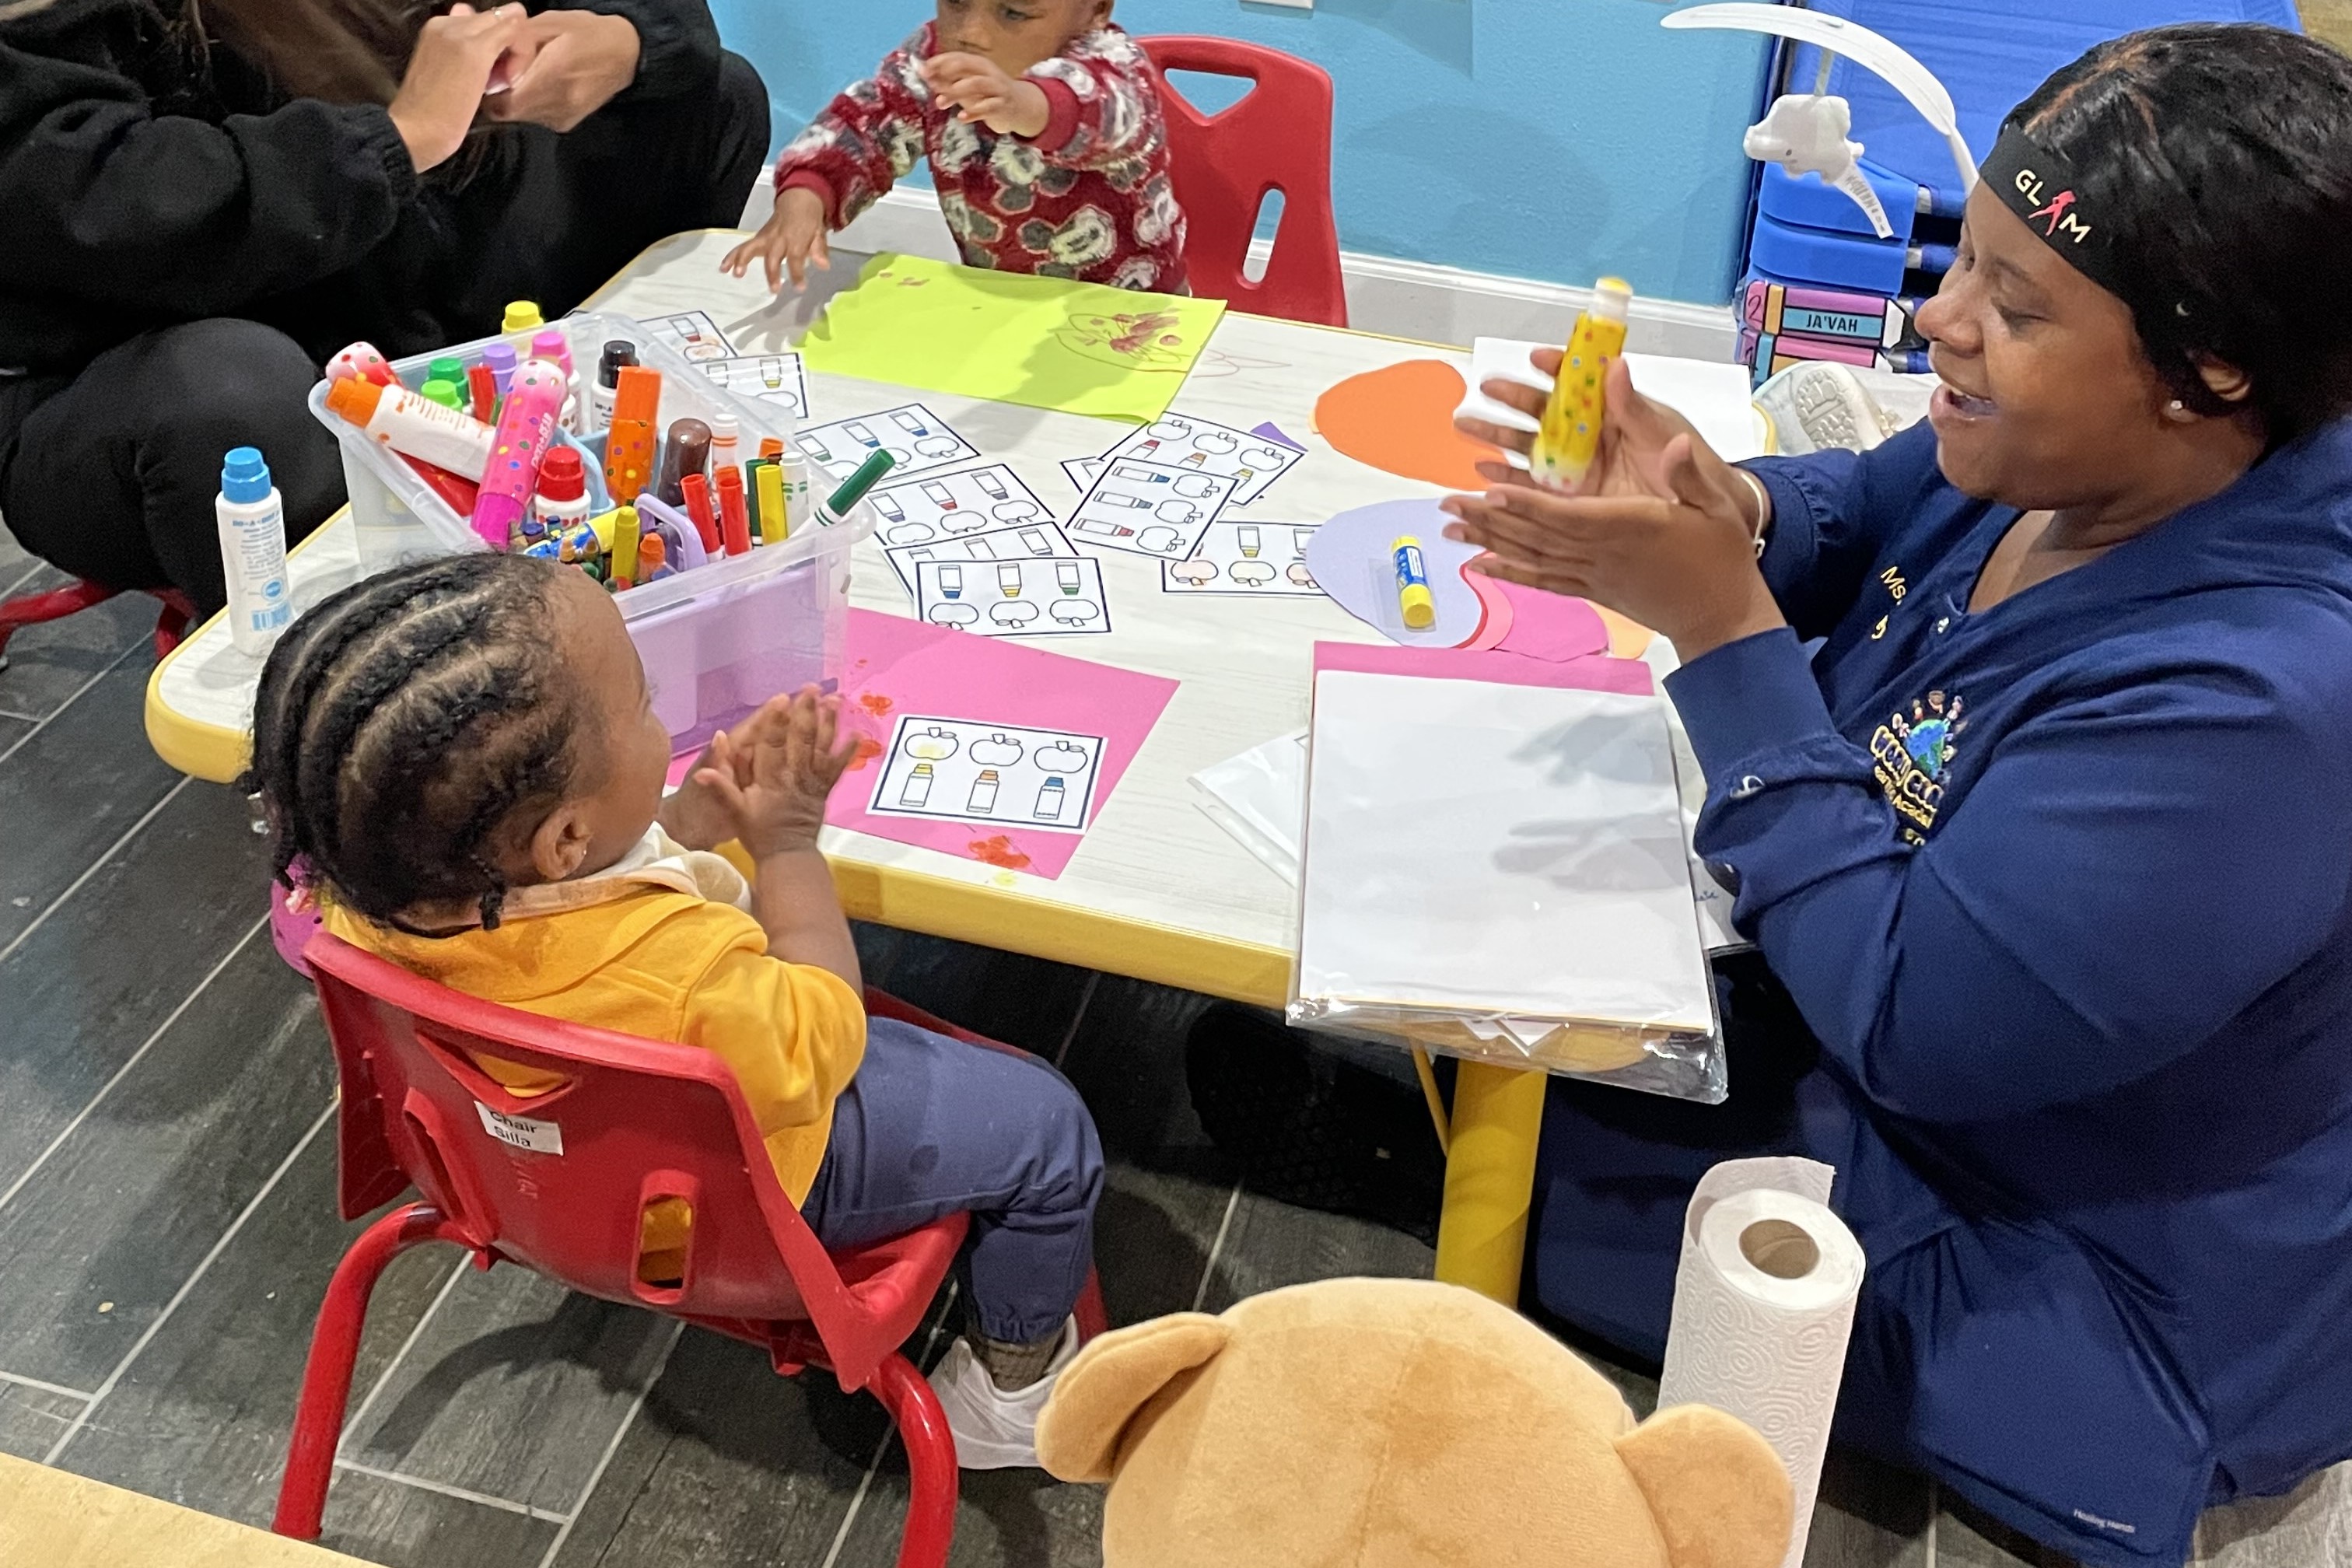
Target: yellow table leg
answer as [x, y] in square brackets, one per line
[1490, 1178]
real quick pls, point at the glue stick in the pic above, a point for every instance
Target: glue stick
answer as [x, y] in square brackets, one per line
[1571, 436]
[253, 552]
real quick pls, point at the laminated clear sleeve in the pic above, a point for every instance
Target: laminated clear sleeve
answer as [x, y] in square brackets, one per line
[1501, 873]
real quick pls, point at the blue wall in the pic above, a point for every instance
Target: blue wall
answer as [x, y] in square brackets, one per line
[1552, 138]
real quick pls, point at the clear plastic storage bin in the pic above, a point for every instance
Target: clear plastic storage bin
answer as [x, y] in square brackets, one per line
[718, 640]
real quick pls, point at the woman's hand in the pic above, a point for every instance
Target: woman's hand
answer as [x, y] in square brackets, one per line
[1663, 530]
[793, 237]
[978, 89]
[447, 76]
[570, 65]
[784, 770]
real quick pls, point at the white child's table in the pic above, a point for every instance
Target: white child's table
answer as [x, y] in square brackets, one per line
[1158, 891]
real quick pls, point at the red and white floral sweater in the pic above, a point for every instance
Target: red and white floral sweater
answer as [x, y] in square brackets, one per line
[1087, 197]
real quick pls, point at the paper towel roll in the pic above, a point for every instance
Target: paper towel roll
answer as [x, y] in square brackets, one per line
[1763, 1307]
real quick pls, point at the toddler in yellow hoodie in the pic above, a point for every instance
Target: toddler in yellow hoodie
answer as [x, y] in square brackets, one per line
[460, 762]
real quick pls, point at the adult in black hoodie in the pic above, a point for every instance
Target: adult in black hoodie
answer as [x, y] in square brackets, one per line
[201, 200]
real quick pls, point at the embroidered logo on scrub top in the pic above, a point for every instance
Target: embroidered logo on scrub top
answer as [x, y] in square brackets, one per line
[1912, 751]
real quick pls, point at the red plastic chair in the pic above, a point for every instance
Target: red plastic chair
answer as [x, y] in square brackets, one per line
[638, 1121]
[1278, 137]
[57, 603]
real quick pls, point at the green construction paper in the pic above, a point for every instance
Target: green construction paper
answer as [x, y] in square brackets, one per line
[1045, 342]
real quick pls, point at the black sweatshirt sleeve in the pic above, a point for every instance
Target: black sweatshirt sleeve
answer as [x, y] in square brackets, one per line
[677, 44]
[109, 202]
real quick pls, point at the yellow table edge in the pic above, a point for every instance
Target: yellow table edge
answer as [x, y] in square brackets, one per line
[58, 1519]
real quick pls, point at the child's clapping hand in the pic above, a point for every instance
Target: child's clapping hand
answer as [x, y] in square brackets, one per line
[793, 238]
[776, 769]
[979, 89]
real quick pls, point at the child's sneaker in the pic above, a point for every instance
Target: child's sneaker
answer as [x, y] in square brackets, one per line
[996, 1430]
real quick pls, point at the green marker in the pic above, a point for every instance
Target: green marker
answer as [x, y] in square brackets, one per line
[448, 368]
[444, 392]
[751, 466]
[844, 500]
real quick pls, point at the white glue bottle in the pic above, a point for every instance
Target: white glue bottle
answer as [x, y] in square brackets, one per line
[253, 552]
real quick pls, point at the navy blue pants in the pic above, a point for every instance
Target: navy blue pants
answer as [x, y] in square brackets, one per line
[931, 1126]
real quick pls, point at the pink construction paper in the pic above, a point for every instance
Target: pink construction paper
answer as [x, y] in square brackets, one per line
[898, 666]
[1547, 626]
[1626, 677]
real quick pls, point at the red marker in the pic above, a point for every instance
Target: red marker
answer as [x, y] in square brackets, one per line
[734, 521]
[485, 389]
[698, 507]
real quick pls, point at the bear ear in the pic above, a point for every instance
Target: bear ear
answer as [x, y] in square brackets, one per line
[1098, 1394]
[1718, 1491]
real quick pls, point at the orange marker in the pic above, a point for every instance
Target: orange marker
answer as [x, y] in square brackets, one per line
[637, 394]
[734, 521]
[628, 459]
[772, 448]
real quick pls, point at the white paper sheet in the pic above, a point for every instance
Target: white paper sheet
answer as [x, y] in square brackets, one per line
[1150, 508]
[1245, 561]
[1030, 597]
[1714, 398]
[957, 771]
[776, 378]
[1017, 542]
[919, 510]
[1510, 851]
[919, 439]
[1184, 441]
[692, 333]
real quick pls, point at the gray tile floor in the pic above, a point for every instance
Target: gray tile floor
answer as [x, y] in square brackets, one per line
[167, 1213]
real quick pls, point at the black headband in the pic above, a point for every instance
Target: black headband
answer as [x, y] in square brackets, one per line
[2040, 187]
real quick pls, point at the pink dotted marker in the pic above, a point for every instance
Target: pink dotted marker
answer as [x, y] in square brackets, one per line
[526, 428]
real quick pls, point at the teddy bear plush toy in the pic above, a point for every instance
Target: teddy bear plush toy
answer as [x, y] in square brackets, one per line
[1396, 1424]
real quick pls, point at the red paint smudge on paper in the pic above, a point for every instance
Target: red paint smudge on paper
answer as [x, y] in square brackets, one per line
[997, 850]
[868, 748]
[874, 702]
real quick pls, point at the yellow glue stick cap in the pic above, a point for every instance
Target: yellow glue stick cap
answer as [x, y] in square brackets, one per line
[1420, 609]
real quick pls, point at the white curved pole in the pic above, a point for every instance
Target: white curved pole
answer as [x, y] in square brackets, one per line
[1837, 35]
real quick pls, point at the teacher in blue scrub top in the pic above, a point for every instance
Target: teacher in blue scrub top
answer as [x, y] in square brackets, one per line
[2047, 849]
[202, 200]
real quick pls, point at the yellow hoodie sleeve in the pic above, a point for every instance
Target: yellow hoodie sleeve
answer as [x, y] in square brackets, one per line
[792, 1034]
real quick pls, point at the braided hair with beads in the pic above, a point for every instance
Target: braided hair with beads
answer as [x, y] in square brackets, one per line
[404, 724]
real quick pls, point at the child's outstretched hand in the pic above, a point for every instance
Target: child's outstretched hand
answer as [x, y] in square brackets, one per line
[979, 89]
[787, 758]
[793, 238]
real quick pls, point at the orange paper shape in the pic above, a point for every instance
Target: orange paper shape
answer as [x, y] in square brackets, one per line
[1401, 419]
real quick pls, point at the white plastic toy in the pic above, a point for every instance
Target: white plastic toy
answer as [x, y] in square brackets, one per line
[1807, 132]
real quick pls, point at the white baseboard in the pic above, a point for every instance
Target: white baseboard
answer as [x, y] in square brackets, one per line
[1402, 298]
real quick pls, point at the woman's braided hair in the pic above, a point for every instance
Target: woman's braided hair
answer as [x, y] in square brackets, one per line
[404, 722]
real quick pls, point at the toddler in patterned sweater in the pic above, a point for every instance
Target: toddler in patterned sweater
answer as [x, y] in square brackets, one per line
[1043, 124]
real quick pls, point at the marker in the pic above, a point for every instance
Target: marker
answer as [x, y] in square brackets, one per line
[700, 512]
[554, 347]
[772, 446]
[444, 392]
[798, 506]
[734, 523]
[683, 545]
[609, 366]
[627, 531]
[251, 516]
[562, 497]
[853, 490]
[502, 359]
[918, 790]
[1008, 580]
[726, 441]
[984, 793]
[458, 495]
[545, 550]
[1569, 438]
[522, 316]
[448, 368]
[583, 543]
[653, 557]
[751, 472]
[1066, 574]
[773, 525]
[637, 394]
[1413, 586]
[687, 451]
[400, 419]
[628, 459]
[484, 389]
[364, 361]
[1049, 800]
